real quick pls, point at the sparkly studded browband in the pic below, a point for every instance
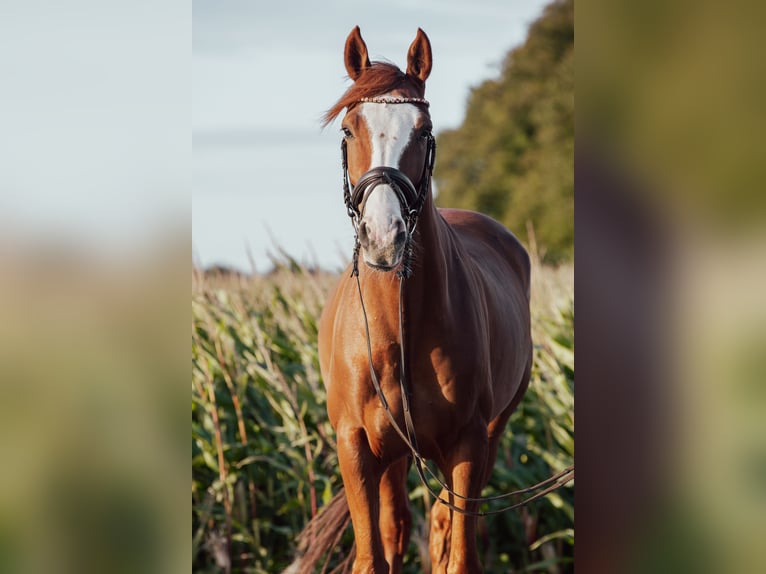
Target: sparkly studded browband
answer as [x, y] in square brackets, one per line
[390, 100]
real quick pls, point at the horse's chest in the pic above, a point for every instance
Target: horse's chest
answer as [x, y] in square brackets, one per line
[444, 395]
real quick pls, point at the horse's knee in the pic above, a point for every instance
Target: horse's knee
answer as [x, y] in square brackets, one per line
[440, 517]
[440, 536]
[396, 528]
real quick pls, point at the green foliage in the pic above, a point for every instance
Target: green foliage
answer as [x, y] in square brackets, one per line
[513, 157]
[539, 441]
[263, 452]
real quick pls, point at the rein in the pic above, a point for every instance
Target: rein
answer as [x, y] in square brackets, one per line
[411, 202]
[552, 483]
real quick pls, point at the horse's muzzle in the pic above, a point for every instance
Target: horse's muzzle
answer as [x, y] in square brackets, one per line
[383, 246]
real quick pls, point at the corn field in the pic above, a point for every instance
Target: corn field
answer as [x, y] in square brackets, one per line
[263, 451]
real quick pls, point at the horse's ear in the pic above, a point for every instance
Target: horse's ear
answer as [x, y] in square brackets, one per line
[355, 56]
[419, 59]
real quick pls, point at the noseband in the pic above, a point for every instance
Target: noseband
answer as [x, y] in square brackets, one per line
[411, 200]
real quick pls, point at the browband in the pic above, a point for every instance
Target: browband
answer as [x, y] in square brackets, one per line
[393, 100]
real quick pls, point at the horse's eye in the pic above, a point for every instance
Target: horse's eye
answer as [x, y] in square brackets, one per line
[347, 133]
[425, 134]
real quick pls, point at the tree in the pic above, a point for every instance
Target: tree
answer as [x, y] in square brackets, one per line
[513, 156]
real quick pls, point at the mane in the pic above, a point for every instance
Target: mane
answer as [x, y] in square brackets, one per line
[380, 78]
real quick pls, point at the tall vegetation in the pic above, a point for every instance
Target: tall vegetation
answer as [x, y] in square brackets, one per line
[263, 451]
[513, 156]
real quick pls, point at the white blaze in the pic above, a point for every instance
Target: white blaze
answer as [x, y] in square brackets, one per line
[390, 127]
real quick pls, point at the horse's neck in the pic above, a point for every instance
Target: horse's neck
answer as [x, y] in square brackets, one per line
[434, 243]
[425, 291]
[432, 252]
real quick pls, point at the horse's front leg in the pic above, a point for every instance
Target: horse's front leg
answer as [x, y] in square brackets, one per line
[440, 535]
[466, 466]
[395, 517]
[361, 472]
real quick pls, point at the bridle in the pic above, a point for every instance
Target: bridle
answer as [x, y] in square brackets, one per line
[411, 201]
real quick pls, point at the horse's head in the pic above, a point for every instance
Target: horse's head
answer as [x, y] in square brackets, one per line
[388, 147]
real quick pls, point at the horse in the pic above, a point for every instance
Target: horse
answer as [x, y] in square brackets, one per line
[439, 296]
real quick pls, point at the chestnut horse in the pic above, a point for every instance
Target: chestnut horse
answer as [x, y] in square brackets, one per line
[464, 335]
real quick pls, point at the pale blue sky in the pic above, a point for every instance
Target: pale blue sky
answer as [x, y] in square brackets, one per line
[94, 109]
[263, 73]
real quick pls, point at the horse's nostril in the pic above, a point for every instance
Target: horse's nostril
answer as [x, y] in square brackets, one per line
[363, 234]
[401, 234]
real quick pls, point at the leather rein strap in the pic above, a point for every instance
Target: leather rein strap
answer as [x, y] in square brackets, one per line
[411, 202]
[410, 438]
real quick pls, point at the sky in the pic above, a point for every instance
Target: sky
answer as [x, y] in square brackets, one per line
[266, 177]
[95, 145]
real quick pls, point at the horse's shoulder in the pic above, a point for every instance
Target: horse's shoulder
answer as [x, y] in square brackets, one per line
[477, 229]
